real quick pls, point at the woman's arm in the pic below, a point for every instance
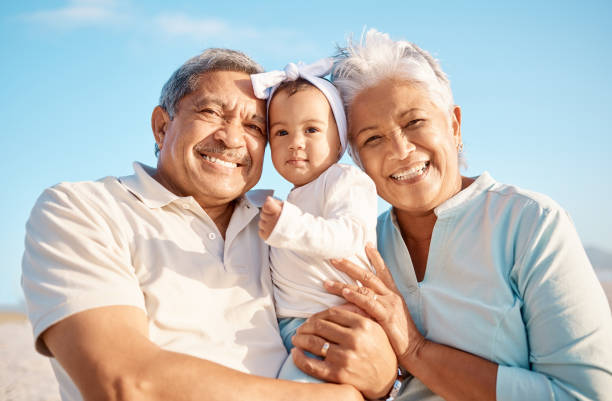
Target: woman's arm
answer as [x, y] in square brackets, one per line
[451, 373]
[565, 311]
[567, 321]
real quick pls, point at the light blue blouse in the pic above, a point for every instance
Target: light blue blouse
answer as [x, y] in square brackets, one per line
[507, 279]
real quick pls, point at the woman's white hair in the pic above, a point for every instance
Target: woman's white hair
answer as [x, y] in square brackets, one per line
[376, 57]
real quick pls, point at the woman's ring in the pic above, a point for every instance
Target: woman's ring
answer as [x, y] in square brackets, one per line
[324, 349]
[375, 297]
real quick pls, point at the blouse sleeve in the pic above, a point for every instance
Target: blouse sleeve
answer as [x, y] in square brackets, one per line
[566, 315]
[347, 224]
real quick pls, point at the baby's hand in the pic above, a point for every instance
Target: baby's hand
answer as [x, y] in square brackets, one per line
[270, 212]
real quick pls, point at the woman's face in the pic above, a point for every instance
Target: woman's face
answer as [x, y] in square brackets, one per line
[407, 144]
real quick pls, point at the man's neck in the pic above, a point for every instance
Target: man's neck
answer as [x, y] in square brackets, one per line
[220, 215]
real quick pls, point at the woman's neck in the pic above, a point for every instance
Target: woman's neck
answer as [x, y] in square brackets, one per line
[416, 232]
[415, 228]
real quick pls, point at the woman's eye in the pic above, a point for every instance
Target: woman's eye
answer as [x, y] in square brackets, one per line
[372, 140]
[414, 123]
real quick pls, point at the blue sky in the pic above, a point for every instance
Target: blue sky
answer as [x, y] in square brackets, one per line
[80, 79]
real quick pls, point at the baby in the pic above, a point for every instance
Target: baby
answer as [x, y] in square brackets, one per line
[331, 210]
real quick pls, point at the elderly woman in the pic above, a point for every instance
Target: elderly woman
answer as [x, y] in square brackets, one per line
[492, 294]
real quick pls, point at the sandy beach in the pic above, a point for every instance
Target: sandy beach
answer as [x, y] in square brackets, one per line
[24, 374]
[27, 376]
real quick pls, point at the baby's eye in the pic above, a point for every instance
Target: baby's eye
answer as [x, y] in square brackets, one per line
[311, 130]
[281, 132]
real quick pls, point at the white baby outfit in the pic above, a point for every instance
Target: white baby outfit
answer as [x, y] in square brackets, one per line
[333, 216]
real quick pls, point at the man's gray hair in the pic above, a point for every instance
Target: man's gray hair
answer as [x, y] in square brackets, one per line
[185, 80]
[377, 57]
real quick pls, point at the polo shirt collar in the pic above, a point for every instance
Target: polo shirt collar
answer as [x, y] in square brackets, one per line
[146, 188]
[155, 195]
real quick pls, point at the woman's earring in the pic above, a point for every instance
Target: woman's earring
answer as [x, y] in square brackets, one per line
[460, 147]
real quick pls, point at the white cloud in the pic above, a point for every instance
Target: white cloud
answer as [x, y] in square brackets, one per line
[199, 28]
[173, 25]
[77, 13]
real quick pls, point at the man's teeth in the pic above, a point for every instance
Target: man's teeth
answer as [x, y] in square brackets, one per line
[219, 161]
[411, 172]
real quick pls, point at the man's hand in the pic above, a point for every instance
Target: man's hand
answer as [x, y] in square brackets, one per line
[358, 353]
[270, 213]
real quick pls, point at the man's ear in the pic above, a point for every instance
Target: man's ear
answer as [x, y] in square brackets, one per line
[159, 124]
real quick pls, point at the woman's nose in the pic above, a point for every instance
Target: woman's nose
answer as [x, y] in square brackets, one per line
[402, 146]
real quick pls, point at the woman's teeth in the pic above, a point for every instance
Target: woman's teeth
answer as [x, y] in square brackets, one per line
[411, 172]
[219, 161]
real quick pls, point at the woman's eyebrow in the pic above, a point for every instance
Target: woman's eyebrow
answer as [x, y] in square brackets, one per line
[412, 110]
[361, 131]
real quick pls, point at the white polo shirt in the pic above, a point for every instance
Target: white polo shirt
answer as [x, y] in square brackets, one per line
[130, 241]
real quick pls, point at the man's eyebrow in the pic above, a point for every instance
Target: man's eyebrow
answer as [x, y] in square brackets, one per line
[258, 118]
[208, 99]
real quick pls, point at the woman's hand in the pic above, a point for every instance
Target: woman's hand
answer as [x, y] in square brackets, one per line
[357, 351]
[379, 297]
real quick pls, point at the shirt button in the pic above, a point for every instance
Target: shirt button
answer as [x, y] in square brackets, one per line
[212, 236]
[185, 206]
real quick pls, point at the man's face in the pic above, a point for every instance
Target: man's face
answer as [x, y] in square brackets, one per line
[213, 148]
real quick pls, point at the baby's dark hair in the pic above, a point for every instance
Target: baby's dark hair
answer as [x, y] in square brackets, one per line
[293, 87]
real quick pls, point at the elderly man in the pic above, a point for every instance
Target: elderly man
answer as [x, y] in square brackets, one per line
[156, 285]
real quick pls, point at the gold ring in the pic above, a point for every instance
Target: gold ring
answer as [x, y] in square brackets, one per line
[324, 349]
[375, 297]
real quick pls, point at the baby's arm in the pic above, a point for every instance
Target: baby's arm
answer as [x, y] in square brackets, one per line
[270, 213]
[347, 224]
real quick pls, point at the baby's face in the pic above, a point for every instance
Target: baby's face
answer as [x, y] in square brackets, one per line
[303, 135]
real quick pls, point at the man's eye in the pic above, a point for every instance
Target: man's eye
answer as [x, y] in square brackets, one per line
[210, 111]
[311, 130]
[255, 127]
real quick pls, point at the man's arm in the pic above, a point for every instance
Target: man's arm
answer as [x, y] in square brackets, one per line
[107, 353]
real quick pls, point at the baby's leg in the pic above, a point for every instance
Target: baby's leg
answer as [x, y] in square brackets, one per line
[289, 371]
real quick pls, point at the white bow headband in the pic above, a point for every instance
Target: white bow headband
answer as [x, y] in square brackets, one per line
[265, 83]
